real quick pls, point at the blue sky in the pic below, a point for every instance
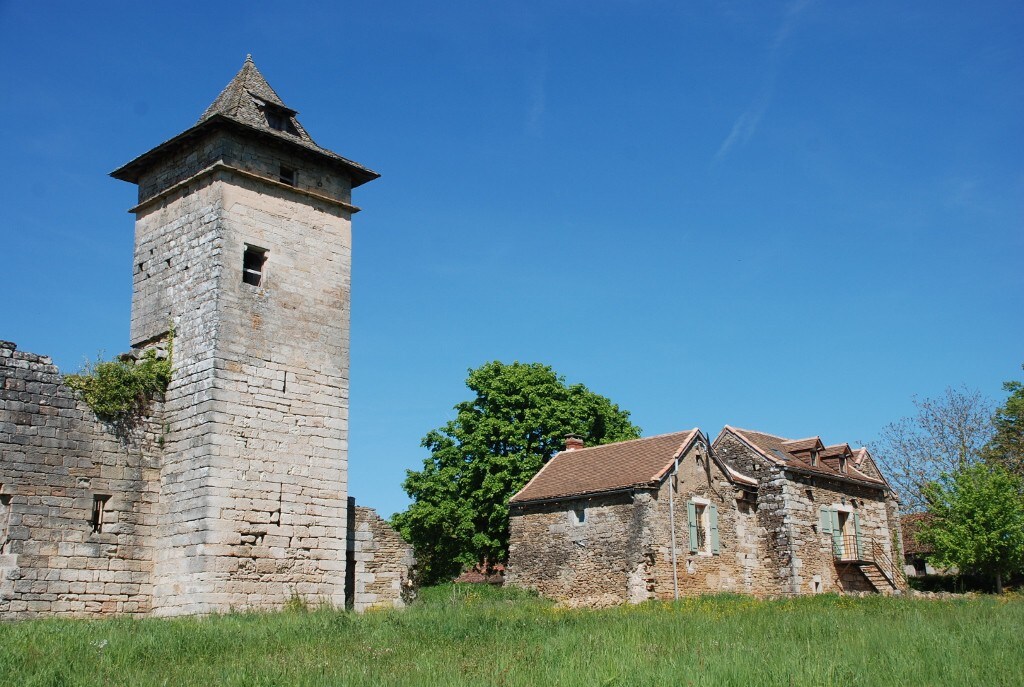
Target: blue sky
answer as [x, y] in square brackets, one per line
[789, 217]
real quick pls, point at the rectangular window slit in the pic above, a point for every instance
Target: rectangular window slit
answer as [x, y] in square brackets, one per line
[99, 501]
[287, 175]
[252, 265]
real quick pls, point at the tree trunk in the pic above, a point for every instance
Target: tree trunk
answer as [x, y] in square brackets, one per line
[999, 583]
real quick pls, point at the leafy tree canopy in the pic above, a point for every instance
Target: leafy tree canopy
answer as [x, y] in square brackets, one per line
[977, 521]
[1007, 445]
[497, 442]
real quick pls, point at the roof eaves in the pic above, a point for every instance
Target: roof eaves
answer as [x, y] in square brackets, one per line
[683, 447]
[583, 494]
[129, 171]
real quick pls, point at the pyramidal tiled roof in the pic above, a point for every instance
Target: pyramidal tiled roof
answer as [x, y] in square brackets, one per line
[248, 100]
[609, 467]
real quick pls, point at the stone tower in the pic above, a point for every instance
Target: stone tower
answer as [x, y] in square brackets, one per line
[243, 255]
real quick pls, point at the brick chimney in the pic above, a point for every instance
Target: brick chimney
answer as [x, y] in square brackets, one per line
[573, 442]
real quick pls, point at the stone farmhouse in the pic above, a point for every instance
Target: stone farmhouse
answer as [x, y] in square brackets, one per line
[673, 515]
[231, 492]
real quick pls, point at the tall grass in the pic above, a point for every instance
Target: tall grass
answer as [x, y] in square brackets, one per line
[474, 635]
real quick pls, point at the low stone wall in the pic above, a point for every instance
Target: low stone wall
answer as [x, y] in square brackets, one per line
[383, 571]
[77, 499]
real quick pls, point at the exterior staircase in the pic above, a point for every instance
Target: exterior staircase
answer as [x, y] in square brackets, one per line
[878, 579]
[871, 559]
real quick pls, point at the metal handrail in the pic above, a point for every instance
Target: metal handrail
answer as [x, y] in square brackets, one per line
[870, 552]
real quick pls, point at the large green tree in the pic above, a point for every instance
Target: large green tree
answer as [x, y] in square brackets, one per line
[498, 440]
[1007, 445]
[977, 521]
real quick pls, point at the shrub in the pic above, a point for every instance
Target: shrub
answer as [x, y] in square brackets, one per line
[118, 389]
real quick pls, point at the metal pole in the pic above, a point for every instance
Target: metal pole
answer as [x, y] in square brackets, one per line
[672, 520]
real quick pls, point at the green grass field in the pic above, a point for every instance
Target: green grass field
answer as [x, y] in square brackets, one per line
[472, 635]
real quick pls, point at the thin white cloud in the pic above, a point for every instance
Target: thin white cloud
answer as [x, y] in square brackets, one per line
[745, 126]
[537, 94]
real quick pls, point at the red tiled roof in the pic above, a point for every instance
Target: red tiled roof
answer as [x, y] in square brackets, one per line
[639, 462]
[835, 451]
[911, 524]
[779, 451]
[803, 445]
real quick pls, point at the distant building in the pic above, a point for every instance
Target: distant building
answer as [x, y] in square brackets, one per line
[656, 517]
[915, 552]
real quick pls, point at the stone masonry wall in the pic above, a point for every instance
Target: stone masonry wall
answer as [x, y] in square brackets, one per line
[776, 545]
[384, 563]
[813, 559]
[739, 566]
[264, 159]
[254, 478]
[789, 512]
[55, 459]
[602, 561]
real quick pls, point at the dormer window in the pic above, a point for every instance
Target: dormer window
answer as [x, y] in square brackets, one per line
[814, 458]
[842, 464]
[277, 117]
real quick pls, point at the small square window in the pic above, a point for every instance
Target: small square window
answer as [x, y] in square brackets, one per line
[579, 516]
[252, 265]
[287, 176]
[99, 501]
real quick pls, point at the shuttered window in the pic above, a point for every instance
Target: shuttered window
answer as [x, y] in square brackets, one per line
[703, 522]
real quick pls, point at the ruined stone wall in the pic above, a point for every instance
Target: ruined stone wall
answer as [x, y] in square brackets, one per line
[383, 563]
[739, 566]
[603, 560]
[56, 458]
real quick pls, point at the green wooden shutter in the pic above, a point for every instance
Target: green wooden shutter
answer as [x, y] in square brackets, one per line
[860, 541]
[691, 514]
[826, 522]
[713, 519]
[837, 533]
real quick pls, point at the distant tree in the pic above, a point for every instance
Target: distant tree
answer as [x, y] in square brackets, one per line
[1007, 445]
[516, 421]
[977, 521]
[947, 434]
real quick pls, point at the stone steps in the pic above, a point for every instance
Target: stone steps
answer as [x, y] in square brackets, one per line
[876, 577]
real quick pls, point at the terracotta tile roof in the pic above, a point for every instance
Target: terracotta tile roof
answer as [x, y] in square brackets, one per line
[836, 451]
[609, 467]
[803, 445]
[778, 450]
[911, 525]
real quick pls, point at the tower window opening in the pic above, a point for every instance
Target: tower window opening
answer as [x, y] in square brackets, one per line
[99, 501]
[287, 176]
[252, 265]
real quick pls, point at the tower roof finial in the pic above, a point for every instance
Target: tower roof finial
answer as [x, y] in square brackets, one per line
[248, 57]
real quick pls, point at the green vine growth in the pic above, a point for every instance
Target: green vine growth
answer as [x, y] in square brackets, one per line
[118, 390]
